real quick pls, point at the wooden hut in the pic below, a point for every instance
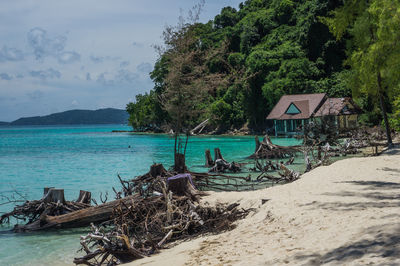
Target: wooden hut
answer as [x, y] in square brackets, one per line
[293, 111]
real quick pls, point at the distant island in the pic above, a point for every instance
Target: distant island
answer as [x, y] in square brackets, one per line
[76, 117]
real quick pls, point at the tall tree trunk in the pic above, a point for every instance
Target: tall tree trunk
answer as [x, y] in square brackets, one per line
[179, 155]
[179, 165]
[383, 108]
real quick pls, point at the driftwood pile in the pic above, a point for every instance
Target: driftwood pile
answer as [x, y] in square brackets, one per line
[267, 150]
[368, 137]
[268, 165]
[148, 184]
[53, 211]
[315, 156]
[194, 182]
[149, 224]
[53, 203]
[322, 141]
[285, 174]
[220, 165]
[163, 208]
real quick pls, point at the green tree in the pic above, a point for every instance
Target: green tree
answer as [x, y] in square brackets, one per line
[374, 51]
[243, 61]
[146, 114]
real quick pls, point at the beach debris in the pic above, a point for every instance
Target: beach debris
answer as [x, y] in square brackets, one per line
[53, 211]
[199, 128]
[147, 185]
[288, 174]
[263, 165]
[290, 161]
[267, 150]
[52, 204]
[84, 197]
[285, 176]
[101, 213]
[149, 224]
[220, 165]
[209, 159]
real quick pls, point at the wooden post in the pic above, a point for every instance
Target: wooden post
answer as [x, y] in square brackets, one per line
[209, 160]
[276, 129]
[285, 121]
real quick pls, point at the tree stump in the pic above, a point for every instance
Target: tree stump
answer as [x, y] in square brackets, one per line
[180, 165]
[54, 195]
[157, 170]
[181, 185]
[217, 154]
[46, 190]
[209, 160]
[84, 197]
[257, 143]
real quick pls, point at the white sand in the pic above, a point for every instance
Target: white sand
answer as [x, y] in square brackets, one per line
[344, 214]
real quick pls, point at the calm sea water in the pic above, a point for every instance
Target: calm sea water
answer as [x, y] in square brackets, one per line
[87, 158]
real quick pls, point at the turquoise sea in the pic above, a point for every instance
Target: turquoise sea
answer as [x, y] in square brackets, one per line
[87, 158]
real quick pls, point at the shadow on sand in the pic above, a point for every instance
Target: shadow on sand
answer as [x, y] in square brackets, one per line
[378, 241]
[375, 244]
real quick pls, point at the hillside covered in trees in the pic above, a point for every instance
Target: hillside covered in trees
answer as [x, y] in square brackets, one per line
[77, 117]
[234, 68]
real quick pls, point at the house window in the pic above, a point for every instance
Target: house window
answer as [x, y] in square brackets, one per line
[292, 110]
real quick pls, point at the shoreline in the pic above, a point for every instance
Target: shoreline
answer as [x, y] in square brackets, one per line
[344, 213]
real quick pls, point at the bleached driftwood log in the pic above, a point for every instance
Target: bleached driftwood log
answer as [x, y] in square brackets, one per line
[79, 218]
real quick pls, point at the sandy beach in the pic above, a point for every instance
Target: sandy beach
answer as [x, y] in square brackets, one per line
[343, 214]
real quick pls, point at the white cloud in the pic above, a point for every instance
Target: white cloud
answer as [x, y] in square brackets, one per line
[10, 54]
[68, 57]
[44, 45]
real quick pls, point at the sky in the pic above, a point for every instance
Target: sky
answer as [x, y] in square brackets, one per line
[58, 55]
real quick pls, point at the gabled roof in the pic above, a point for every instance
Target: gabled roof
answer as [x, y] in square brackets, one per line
[303, 107]
[337, 106]
[308, 104]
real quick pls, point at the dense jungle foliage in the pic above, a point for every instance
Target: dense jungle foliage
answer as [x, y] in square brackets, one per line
[235, 68]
